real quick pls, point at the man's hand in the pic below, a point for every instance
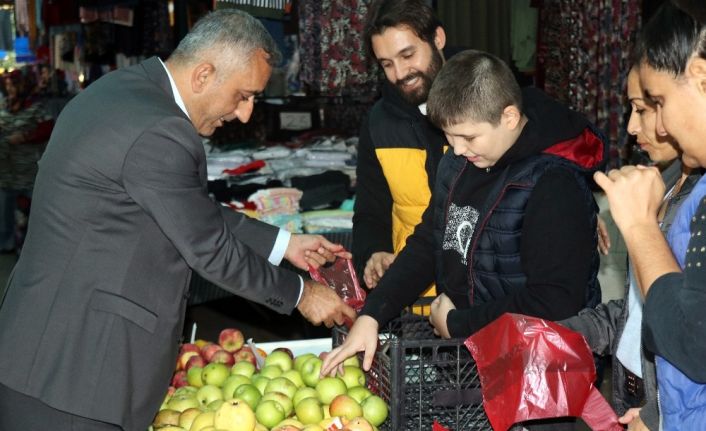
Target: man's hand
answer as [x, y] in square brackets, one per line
[312, 250]
[320, 304]
[376, 266]
[440, 308]
[631, 418]
[634, 194]
[363, 337]
[603, 237]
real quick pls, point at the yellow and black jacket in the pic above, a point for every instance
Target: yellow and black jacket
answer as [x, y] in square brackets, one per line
[399, 150]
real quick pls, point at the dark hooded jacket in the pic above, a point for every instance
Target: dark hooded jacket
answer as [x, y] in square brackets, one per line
[398, 152]
[519, 237]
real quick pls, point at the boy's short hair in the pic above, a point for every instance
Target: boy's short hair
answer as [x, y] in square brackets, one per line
[472, 85]
[417, 15]
[670, 38]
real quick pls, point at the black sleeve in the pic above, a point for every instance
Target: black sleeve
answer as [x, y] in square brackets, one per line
[372, 212]
[673, 320]
[557, 247]
[408, 276]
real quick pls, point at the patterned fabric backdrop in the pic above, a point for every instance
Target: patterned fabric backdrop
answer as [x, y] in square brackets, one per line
[333, 59]
[584, 48]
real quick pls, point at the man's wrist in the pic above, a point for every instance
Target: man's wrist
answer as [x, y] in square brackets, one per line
[638, 230]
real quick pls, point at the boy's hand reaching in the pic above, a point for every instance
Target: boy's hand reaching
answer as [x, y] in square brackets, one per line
[376, 266]
[363, 337]
[440, 308]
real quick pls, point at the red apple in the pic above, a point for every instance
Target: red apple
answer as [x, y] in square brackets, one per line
[231, 339]
[179, 379]
[187, 347]
[184, 358]
[197, 361]
[208, 350]
[346, 407]
[223, 357]
[245, 354]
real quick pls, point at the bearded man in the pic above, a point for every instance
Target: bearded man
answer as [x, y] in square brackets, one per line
[399, 149]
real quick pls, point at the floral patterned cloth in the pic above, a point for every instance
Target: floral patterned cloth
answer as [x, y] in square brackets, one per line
[333, 58]
[584, 52]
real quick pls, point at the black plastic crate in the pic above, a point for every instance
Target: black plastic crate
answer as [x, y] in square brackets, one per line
[424, 378]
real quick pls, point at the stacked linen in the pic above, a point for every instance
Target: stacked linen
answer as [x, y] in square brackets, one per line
[279, 206]
[317, 156]
[327, 221]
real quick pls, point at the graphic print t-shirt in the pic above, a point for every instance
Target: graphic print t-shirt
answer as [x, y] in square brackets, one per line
[468, 198]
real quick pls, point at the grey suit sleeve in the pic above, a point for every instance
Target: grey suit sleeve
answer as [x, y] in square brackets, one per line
[598, 325]
[162, 173]
[255, 234]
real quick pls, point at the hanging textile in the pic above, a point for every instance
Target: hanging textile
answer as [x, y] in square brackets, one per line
[583, 52]
[478, 24]
[333, 59]
[6, 30]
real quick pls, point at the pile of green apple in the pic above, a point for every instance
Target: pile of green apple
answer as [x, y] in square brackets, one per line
[286, 394]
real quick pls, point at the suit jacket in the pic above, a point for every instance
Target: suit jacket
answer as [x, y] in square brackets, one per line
[120, 217]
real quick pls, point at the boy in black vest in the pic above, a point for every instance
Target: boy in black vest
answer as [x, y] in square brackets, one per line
[512, 222]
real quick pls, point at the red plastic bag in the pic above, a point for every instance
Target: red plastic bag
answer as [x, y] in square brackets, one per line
[436, 426]
[531, 368]
[340, 276]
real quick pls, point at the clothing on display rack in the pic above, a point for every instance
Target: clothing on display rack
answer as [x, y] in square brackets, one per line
[583, 50]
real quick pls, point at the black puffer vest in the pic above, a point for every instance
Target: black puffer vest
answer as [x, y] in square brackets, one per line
[495, 269]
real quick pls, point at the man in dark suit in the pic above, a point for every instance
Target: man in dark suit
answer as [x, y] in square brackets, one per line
[121, 216]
